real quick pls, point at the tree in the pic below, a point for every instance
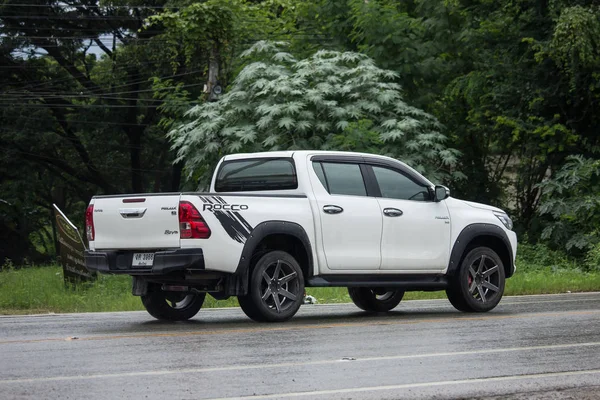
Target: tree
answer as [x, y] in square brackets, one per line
[571, 202]
[89, 90]
[330, 100]
[515, 84]
[78, 109]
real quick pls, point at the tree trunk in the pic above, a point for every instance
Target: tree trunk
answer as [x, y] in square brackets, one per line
[176, 176]
[135, 141]
[213, 73]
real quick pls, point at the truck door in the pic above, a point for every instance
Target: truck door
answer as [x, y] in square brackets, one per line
[416, 230]
[351, 222]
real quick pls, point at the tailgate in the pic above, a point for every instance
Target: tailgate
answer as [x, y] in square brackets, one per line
[136, 222]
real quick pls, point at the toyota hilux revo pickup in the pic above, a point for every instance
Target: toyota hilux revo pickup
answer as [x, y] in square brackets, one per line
[274, 223]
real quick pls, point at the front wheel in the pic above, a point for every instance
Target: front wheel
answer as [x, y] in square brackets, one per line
[171, 306]
[375, 299]
[276, 288]
[478, 285]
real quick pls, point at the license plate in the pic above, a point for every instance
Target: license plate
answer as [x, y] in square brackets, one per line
[142, 260]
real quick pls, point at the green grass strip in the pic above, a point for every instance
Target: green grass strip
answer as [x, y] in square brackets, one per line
[41, 290]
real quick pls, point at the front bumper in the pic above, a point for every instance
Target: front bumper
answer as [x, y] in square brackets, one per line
[166, 261]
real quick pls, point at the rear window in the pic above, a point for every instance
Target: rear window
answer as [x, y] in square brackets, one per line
[257, 174]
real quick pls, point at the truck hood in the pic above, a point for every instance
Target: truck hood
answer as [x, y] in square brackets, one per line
[482, 206]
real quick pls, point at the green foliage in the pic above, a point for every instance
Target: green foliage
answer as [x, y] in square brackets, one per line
[211, 29]
[576, 38]
[80, 112]
[571, 201]
[592, 258]
[515, 84]
[277, 102]
[42, 290]
[540, 257]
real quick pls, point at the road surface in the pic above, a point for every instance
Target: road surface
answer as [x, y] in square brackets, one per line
[528, 347]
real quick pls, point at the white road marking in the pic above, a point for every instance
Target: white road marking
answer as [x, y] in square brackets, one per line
[417, 385]
[292, 364]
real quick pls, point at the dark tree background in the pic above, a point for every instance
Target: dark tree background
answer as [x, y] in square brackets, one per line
[89, 90]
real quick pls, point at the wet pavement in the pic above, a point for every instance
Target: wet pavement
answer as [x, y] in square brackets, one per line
[528, 347]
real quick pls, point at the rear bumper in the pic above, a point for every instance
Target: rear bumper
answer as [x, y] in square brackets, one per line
[119, 262]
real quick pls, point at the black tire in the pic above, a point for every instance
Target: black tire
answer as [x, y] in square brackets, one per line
[276, 288]
[375, 299]
[170, 306]
[479, 283]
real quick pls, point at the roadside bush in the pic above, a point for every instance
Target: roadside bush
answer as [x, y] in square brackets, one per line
[571, 203]
[592, 259]
[533, 257]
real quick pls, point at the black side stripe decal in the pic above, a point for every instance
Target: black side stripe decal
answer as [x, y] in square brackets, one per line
[234, 224]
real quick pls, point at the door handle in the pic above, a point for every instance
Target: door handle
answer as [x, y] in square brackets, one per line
[132, 212]
[392, 212]
[331, 209]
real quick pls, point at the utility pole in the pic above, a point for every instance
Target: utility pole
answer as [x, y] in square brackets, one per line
[212, 87]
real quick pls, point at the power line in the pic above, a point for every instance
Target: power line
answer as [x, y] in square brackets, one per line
[160, 101]
[74, 28]
[77, 121]
[83, 17]
[92, 6]
[104, 37]
[87, 164]
[70, 105]
[74, 17]
[109, 73]
[107, 37]
[140, 81]
[117, 146]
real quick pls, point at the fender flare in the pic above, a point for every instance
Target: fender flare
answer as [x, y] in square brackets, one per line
[260, 232]
[471, 232]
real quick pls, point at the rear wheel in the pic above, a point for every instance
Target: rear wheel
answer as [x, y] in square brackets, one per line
[172, 306]
[276, 288]
[478, 285]
[375, 299]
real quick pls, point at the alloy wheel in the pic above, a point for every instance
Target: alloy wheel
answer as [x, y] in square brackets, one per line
[383, 294]
[483, 279]
[279, 286]
[179, 302]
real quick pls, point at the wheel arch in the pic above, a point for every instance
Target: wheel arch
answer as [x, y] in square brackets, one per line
[486, 235]
[274, 235]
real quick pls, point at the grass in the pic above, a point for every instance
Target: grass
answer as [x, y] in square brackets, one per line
[522, 283]
[41, 290]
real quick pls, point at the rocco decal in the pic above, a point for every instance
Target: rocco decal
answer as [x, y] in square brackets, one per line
[230, 219]
[225, 207]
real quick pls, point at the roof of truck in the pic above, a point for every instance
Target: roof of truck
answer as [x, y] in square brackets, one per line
[292, 153]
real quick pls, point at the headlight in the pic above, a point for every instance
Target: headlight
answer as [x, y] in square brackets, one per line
[505, 219]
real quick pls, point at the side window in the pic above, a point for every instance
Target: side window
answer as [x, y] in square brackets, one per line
[256, 174]
[320, 174]
[394, 185]
[341, 178]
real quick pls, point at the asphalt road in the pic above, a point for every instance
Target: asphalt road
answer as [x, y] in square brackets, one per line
[528, 347]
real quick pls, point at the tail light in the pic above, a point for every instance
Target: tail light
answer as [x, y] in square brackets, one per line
[89, 223]
[191, 223]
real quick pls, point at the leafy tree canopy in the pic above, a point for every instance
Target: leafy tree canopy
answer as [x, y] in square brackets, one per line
[330, 100]
[571, 202]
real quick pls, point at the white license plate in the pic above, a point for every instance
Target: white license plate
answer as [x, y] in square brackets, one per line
[142, 259]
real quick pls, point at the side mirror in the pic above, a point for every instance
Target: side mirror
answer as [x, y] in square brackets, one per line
[441, 193]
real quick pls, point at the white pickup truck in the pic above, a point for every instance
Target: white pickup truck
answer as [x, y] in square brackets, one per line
[274, 223]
